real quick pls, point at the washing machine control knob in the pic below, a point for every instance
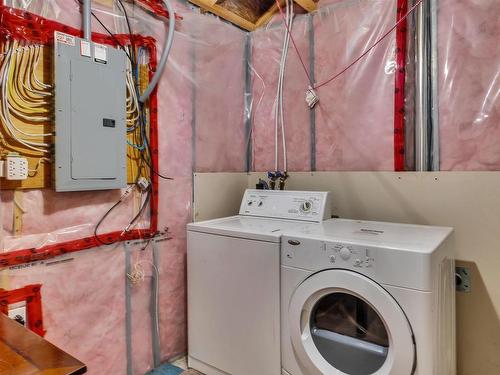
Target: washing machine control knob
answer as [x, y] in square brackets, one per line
[345, 253]
[306, 206]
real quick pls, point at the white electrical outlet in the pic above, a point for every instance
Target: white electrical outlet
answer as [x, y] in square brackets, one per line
[15, 167]
[17, 312]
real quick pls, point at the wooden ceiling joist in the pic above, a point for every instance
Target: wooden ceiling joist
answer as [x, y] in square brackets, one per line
[248, 14]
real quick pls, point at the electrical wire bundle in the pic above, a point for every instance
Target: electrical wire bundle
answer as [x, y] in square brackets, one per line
[279, 113]
[139, 150]
[25, 99]
[132, 99]
[137, 123]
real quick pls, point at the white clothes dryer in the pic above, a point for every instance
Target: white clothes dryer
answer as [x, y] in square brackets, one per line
[362, 298]
[233, 270]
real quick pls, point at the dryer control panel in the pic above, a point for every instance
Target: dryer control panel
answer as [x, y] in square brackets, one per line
[347, 254]
[387, 265]
[315, 255]
[313, 206]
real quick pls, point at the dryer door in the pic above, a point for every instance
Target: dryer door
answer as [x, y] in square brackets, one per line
[342, 322]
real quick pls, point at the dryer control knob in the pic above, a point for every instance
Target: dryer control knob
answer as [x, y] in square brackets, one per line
[345, 253]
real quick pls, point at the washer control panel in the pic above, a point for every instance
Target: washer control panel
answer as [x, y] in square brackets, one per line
[313, 206]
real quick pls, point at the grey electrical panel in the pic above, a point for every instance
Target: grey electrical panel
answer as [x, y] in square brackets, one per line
[90, 106]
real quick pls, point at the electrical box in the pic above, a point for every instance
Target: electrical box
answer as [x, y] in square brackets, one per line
[17, 312]
[15, 167]
[90, 107]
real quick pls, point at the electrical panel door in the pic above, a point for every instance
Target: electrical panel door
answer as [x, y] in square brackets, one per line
[90, 142]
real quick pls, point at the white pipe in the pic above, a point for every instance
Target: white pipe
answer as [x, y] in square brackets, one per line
[282, 114]
[279, 116]
[278, 95]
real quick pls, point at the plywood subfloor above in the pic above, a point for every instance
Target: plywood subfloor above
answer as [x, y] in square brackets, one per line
[248, 14]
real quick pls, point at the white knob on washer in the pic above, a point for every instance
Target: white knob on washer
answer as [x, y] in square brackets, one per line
[306, 206]
[345, 253]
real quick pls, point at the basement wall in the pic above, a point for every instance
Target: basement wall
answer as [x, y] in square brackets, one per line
[84, 294]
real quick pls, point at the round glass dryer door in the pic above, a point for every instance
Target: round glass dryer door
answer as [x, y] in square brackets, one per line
[344, 323]
[349, 334]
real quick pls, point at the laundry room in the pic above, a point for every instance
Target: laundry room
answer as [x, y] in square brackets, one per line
[250, 187]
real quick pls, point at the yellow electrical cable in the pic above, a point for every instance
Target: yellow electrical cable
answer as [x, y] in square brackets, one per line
[46, 89]
[22, 107]
[26, 69]
[24, 66]
[27, 100]
[17, 107]
[9, 68]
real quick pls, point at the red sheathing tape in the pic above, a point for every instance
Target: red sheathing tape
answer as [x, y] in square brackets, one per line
[31, 294]
[399, 94]
[34, 28]
[16, 257]
[157, 7]
[20, 25]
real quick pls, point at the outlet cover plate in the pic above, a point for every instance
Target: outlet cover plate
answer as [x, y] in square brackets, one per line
[19, 310]
[463, 279]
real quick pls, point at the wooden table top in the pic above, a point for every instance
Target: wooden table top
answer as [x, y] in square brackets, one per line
[22, 352]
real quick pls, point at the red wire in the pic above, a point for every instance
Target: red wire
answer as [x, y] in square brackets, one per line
[403, 18]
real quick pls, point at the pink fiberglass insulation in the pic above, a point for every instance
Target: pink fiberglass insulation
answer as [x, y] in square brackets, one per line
[175, 161]
[355, 115]
[219, 99]
[469, 84]
[265, 64]
[83, 305]
[354, 118]
[83, 299]
[76, 211]
[173, 326]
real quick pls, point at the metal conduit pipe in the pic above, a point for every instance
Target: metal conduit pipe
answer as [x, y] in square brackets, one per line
[422, 136]
[86, 20]
[435, 162]
[167, 46]
[164, 56]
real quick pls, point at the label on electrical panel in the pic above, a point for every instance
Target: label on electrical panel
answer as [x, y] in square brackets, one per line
[100, 53]
[65, 38]
[85, 49]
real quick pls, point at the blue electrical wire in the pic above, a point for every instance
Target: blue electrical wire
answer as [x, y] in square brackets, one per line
[137, 147]
[136, 79]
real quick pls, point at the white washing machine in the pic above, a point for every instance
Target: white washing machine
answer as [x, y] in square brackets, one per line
[363, 298]
[233, 268]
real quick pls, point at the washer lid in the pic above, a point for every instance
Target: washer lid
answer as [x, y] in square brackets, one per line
[342, 322]
[254, 228]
